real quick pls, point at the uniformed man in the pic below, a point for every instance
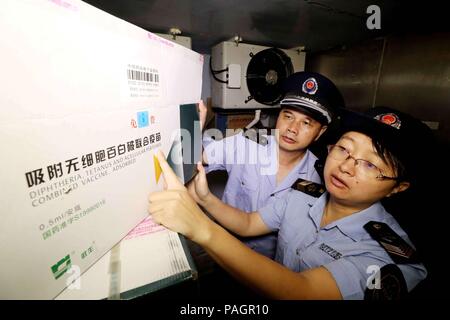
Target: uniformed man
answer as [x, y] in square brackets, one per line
[260, 173]
[341, 244]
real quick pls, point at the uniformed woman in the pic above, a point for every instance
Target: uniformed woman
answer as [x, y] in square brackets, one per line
[341, 244]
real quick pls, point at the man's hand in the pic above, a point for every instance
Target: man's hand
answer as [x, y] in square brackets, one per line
[202, 113]
[175, 209]
[198, 187]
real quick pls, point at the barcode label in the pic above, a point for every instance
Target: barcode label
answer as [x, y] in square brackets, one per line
[142, 76]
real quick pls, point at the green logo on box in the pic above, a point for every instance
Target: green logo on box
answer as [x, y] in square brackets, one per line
[61, 267]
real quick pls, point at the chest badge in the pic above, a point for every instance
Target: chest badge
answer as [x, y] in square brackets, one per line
[330, 251]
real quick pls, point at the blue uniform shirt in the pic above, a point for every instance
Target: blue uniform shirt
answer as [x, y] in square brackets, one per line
[343, 247]
[252, 170]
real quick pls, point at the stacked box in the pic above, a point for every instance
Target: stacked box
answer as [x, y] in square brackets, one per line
[86, 99]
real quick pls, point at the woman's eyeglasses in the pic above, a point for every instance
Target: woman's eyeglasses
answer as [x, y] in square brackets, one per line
[363, 167]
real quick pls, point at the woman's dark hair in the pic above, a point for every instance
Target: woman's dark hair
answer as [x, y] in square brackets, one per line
[390, 159]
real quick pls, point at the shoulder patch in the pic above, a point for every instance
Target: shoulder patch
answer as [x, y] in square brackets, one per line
[397, 248]
[392, 285]
[309, 187]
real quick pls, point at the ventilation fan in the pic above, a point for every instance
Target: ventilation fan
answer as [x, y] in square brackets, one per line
[265, 72]
[250, 76]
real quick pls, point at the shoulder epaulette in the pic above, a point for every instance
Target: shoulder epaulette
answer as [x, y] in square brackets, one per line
[397, 248]
[319, 165]
[309, 187]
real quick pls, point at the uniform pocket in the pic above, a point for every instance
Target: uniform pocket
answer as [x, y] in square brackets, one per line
[248, 196]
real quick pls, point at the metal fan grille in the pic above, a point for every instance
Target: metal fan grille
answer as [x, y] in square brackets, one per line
[265, 73]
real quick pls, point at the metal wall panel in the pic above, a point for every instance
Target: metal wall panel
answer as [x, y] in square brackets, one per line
[354, 70]
[415, 78]
[412, 74]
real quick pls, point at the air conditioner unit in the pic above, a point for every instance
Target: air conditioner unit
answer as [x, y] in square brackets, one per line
[246, 76]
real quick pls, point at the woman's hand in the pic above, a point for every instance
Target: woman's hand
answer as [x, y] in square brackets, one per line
[176, 210]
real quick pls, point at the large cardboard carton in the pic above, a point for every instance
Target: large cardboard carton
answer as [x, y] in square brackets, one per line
[86, 99]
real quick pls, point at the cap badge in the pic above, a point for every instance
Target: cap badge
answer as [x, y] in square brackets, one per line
[310, 86]
[391, 119]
